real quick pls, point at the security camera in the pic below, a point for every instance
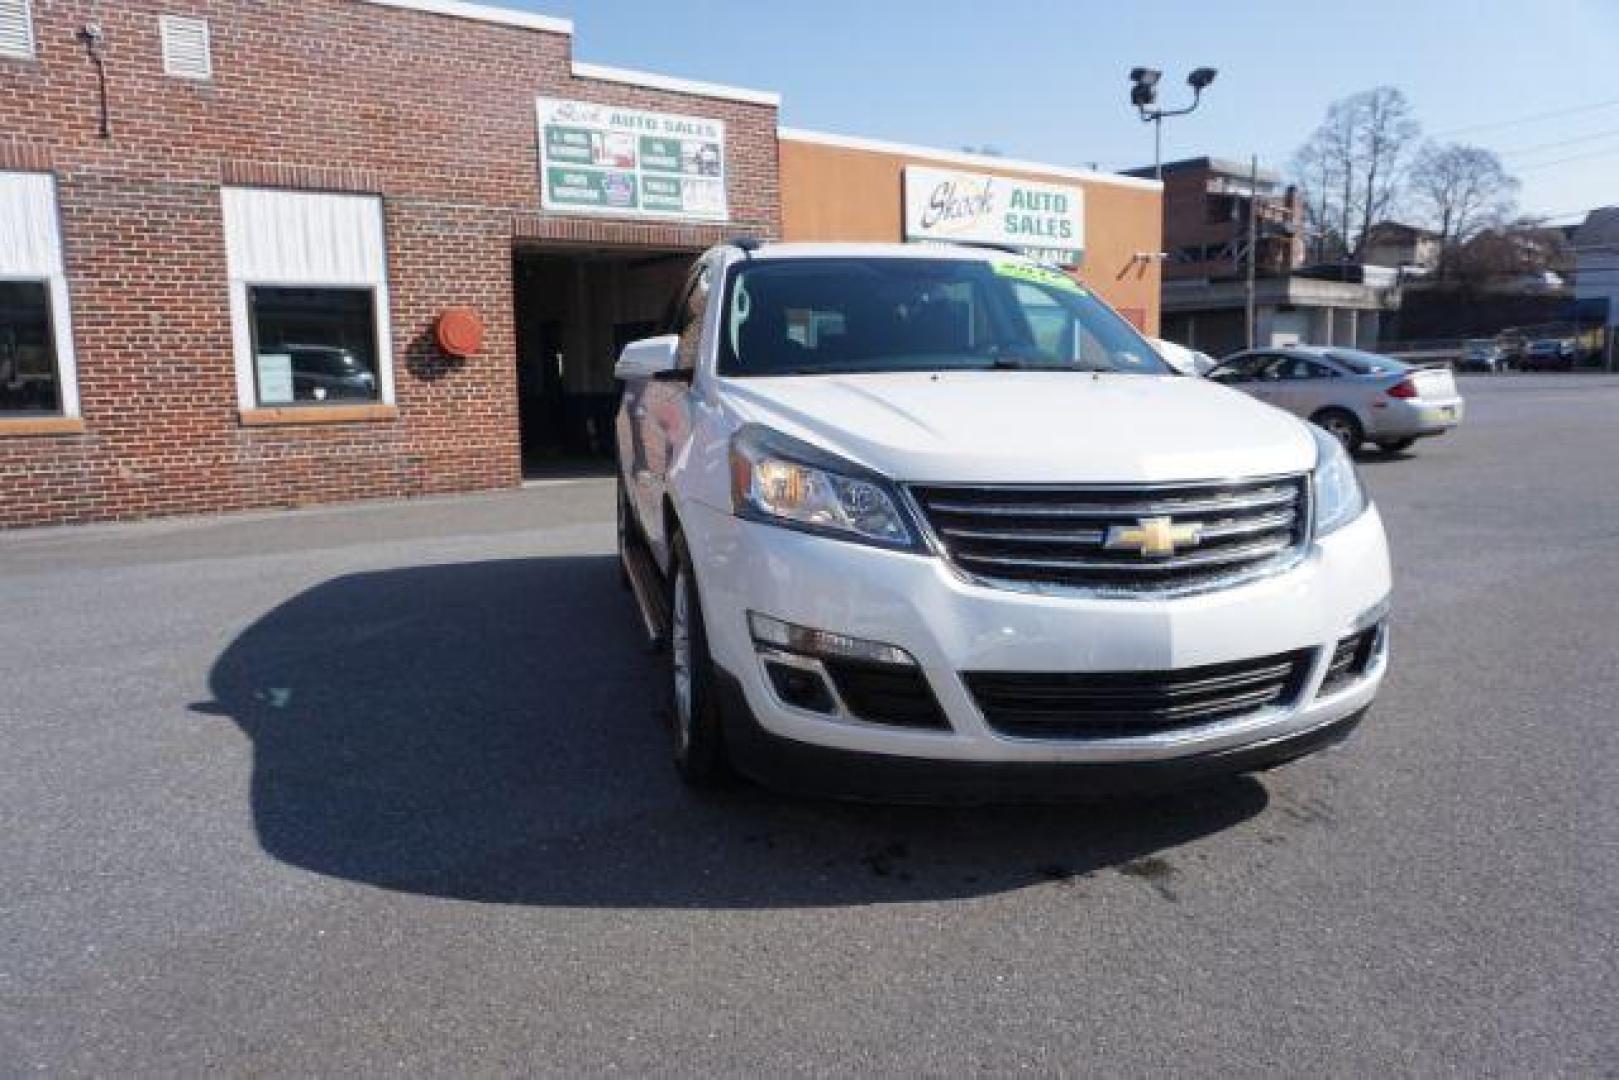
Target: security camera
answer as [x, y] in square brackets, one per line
[1201, 78]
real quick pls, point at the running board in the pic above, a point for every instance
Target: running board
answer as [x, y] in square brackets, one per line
[647, 584]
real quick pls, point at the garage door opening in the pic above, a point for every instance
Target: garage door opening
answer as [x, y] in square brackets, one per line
[576, 309]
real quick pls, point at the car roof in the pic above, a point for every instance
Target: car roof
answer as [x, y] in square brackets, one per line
[1308, 352]
[960, 252]
[1340, 355]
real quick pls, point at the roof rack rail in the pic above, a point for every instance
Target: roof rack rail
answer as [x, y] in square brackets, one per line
[989, 245]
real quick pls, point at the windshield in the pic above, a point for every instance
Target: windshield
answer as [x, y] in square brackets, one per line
[1365, 363]
[825, 316]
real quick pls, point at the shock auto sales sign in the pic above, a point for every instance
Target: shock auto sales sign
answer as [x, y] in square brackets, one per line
[1044, 221]
[603, 159]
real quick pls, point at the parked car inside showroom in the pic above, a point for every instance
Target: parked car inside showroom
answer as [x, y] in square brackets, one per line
[1355, 396]
[937, 523]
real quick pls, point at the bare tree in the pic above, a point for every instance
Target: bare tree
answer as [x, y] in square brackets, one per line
[1353, 165]
[1513, 249]
[1318, 169]
[1462, 190]
[1384, 136]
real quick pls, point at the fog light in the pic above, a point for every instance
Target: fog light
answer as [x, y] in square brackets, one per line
[802, 639]
[800, 687]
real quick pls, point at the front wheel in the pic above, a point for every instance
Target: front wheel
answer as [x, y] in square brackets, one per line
[1396, 446]
[623, 529]
[693, 703]
[1341, 425]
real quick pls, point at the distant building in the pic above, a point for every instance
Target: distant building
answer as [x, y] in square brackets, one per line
[1406, 247]
[1596, 274]
[1207, 207]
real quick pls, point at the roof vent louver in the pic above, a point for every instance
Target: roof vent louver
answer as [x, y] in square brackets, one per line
[16, 29]
[186, 52]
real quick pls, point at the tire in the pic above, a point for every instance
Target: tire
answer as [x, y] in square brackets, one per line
[699, 745]
[1396, 446]
[623, 532]
[1341, 425]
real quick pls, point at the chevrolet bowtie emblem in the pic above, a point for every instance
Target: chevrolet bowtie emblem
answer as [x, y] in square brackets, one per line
[1155, 536]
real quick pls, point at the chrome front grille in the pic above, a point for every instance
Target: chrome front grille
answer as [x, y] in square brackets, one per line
[1117, 538]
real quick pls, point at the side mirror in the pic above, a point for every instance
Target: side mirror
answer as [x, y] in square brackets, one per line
[649, 358]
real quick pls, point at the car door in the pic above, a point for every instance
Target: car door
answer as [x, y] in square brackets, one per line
[1300, 385]
[1237, 372]
[1252, 373]
[662, 417]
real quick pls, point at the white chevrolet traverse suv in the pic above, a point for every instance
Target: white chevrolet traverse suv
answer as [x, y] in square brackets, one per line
[936, 523]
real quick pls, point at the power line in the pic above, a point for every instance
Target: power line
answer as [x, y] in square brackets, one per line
[1563, 160]
[1561, 142]
[1593, 107]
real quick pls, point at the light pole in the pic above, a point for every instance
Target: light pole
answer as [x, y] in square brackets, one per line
[1144, 96]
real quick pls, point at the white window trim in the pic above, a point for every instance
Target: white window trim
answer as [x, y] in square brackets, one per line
[30, 48]
[55, 279]
[170, 25]
[241, 318]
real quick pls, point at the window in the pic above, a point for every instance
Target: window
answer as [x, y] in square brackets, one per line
[36, 337]
[818, 316]
[309, 298]
[688, 322]
[1240, 369]
[1365, 363]
[16, 29]
[186, 51]
[28, 381]
[1296, 367]
[313, 345]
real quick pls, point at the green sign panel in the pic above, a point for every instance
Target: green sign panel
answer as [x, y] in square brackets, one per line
[590, 187]
[630, 162]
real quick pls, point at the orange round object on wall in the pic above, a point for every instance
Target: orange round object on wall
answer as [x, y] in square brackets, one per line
[460, 331]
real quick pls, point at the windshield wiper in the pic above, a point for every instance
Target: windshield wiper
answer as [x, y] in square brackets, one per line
[1023, 363]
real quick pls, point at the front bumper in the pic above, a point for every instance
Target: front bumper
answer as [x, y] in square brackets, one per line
[950, 625]
[1397, 419]
[807, 769]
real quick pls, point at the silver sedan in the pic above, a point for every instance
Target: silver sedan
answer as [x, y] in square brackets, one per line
[1357, 396]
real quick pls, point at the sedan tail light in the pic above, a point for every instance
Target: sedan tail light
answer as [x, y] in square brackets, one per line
[1404, 390]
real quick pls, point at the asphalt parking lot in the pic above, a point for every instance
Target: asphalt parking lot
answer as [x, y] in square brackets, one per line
[382, 788]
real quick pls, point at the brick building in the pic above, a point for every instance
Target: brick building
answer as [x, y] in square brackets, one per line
[266, 254]
[1208, 204]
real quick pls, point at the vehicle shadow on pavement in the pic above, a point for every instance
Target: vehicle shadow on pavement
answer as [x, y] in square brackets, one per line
[490, 731]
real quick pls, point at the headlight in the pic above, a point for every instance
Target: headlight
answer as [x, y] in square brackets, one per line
[1338, 495]
[786, 482]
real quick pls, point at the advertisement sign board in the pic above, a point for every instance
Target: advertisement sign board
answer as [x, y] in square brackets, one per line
[1044, 221]
[605, 159]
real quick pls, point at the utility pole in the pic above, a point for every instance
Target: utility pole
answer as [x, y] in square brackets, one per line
[1253, 241]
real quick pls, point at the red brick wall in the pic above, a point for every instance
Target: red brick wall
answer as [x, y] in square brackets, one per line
[434, 113]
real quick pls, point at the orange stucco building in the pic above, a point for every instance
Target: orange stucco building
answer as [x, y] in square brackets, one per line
[840, 188]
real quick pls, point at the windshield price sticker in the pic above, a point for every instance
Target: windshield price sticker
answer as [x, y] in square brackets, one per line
[1039, 275]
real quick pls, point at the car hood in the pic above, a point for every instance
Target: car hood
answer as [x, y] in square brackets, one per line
[1030, 426]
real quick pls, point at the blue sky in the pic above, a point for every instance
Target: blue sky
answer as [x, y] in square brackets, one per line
[1047, 80]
